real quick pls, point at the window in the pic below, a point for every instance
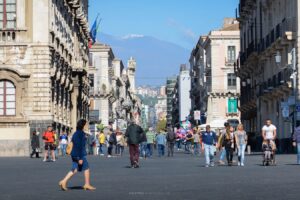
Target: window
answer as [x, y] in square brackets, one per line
[231, 80]
[231, 54]
[8, 14]
[91, 59]
[7, 98]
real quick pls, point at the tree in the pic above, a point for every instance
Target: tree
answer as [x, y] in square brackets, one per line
[161, 125]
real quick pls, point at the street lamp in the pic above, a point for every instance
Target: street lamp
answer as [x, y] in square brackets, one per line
[278, 58]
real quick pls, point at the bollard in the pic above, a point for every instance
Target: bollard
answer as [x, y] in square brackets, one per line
[249, 149]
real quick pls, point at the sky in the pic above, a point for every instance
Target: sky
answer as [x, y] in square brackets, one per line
[177, 21]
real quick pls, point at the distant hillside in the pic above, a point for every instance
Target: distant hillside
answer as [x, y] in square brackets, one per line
[156, 59]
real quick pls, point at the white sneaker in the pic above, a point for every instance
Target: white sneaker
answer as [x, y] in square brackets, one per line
[109, 156]
[242, 164]
[44, 160]
[239, 164]
[101, 154]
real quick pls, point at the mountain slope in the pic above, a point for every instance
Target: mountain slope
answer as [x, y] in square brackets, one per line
[156, 59]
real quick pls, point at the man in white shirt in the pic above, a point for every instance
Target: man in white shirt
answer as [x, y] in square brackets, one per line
[269, 131]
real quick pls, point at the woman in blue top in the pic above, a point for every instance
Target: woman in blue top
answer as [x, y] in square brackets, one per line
[78, 154]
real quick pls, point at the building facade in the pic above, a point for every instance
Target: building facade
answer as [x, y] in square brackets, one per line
[170, 86]
[112, 91]
[215, 90]
[43, 71]
[268, 59]
[184, 87]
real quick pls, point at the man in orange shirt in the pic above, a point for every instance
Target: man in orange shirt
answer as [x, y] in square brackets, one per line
[49, 140]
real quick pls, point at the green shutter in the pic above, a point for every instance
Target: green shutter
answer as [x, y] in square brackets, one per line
[232, 105]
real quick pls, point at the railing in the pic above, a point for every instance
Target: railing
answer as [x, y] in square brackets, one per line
[16, 35]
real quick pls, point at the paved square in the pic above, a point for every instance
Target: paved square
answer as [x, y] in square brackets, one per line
[182, 177]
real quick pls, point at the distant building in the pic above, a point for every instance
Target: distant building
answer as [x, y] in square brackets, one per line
[184, 87]
[216, 88]
[170, 85]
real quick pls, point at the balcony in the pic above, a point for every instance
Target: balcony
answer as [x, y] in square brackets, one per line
[277, 85]
[12, 36]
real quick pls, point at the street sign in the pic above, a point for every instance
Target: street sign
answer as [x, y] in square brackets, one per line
[286, 111]
[197, 115]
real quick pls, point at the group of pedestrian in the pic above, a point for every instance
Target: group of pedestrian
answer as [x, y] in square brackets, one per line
[52, 144]
[228, 140]
[190, 139]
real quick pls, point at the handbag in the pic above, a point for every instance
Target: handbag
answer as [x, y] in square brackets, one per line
[69, 148]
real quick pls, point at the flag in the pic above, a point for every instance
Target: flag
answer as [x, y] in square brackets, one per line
[94, 30]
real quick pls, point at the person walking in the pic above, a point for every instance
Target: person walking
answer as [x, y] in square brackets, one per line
[161, 142]
[241, 142]
[189, 141]
[150, 135]
[296, 141]
[78, 155]
[221, 146]
[171, 139]
[63, 140]
[35, 145]
[229, 144]
[101, 139]
[112, 140]
[135, 135]
[209, 139]
[49, 139]
[120, 142]
[269, 132]
[196, 138]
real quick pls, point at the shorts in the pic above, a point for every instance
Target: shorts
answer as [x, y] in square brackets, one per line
[49, 146]
[75, 164]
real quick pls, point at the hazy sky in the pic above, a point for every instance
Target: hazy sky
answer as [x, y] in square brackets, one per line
[177, 21]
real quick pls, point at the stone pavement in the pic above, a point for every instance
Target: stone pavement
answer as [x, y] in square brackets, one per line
[183, 177]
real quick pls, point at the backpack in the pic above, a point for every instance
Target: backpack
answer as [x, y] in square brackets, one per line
[171, 136]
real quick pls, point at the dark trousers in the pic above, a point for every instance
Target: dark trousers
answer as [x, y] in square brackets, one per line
[34, 152]
[229, 155]
[134, 153]
[171, 148]
[110, 148]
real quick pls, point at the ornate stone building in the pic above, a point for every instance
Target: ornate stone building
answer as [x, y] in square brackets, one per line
[112, 93]
[269, 38]
[215, 88]
[43, 70]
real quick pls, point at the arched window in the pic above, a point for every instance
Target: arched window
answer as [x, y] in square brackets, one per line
[7, 98]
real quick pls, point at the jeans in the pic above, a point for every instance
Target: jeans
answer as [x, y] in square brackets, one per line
[143, 149]
[196, 148]
[223, 154]
[241, 153]
[161, 150]
[119, 149]
[229, 155]
[209, 151]
[298, 153]
[101, 148]
[188, 146]
[63, 149]
[149, 150]
[178, 144]
[171, 148]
